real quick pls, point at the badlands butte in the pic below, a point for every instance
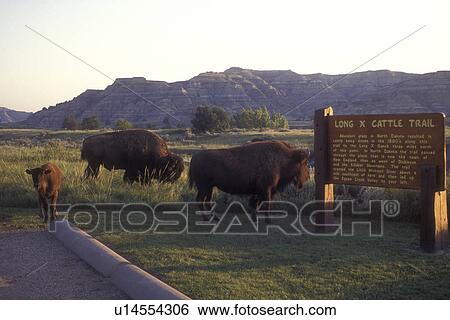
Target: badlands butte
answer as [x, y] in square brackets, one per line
[369, 92]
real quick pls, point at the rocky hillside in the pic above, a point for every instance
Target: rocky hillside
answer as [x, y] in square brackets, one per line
[10, 116]
[364, 92]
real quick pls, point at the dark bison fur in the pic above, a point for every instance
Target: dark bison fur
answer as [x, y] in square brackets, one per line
[287, 144]
[259, 169]
[142, 154]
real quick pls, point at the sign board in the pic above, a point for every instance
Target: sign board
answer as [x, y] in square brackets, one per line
[404, 151]
[385, 150]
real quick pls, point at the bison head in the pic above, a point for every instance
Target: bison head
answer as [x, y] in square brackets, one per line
[301, 171]
[38, 174]
[170, 168]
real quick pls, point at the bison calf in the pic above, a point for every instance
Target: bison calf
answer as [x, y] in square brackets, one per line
[47, 181]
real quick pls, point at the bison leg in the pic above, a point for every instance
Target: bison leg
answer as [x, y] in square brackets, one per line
[130, 176]
[257, 199]
[204, 196]
[146, 175]
[208, 204]
[125, 177]
[92, 170]
[201, 197]
[44, 207]
[253, 203]
[41, 207]
[267, 197]
[208, 199]
[53, 199]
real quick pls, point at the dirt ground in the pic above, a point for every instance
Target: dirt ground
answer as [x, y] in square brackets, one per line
[35, 265]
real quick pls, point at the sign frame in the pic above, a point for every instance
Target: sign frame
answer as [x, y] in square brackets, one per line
[352, 127]
[432, 187]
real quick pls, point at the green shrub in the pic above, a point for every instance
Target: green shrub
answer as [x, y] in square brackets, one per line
[279, 121]
[70, 123]
[123, 124]
[259, 118]
[90, 123]
[210, 119]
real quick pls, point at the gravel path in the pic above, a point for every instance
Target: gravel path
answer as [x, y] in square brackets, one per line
[35, 265]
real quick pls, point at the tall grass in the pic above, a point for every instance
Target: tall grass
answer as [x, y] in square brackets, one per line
[16, 189]
[22, 149]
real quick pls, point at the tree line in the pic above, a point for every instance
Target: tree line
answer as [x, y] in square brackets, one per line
[92, 123]
[216, 119]
[206, 119]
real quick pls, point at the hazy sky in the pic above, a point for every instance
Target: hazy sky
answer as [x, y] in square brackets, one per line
[175, 40]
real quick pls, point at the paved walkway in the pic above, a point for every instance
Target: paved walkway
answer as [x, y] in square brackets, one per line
[35, 265]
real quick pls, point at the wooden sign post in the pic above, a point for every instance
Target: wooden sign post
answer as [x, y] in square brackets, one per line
[433, 219]
[405, 151]
[323, 189]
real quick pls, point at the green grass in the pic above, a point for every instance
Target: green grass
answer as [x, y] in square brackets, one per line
[14, 219]
[224, 266]
[278, 266]
[63, 149]
[291, 267]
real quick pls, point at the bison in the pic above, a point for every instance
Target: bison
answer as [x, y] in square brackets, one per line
[287, 144]
[263, 139]
[144, 156]
[311, 153]
[259, 169]
[47, 181]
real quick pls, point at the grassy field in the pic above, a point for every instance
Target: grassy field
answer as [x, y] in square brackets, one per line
[224, 266]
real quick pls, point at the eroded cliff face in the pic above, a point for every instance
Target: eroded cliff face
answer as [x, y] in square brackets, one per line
[280, 91]
[11, 116]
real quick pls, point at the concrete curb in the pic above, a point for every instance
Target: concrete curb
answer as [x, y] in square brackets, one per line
[134, 281]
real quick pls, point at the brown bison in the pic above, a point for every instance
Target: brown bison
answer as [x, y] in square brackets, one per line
[311, 153]
[143, 154]
[287, 144]
[47, 181]
[259, 169]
